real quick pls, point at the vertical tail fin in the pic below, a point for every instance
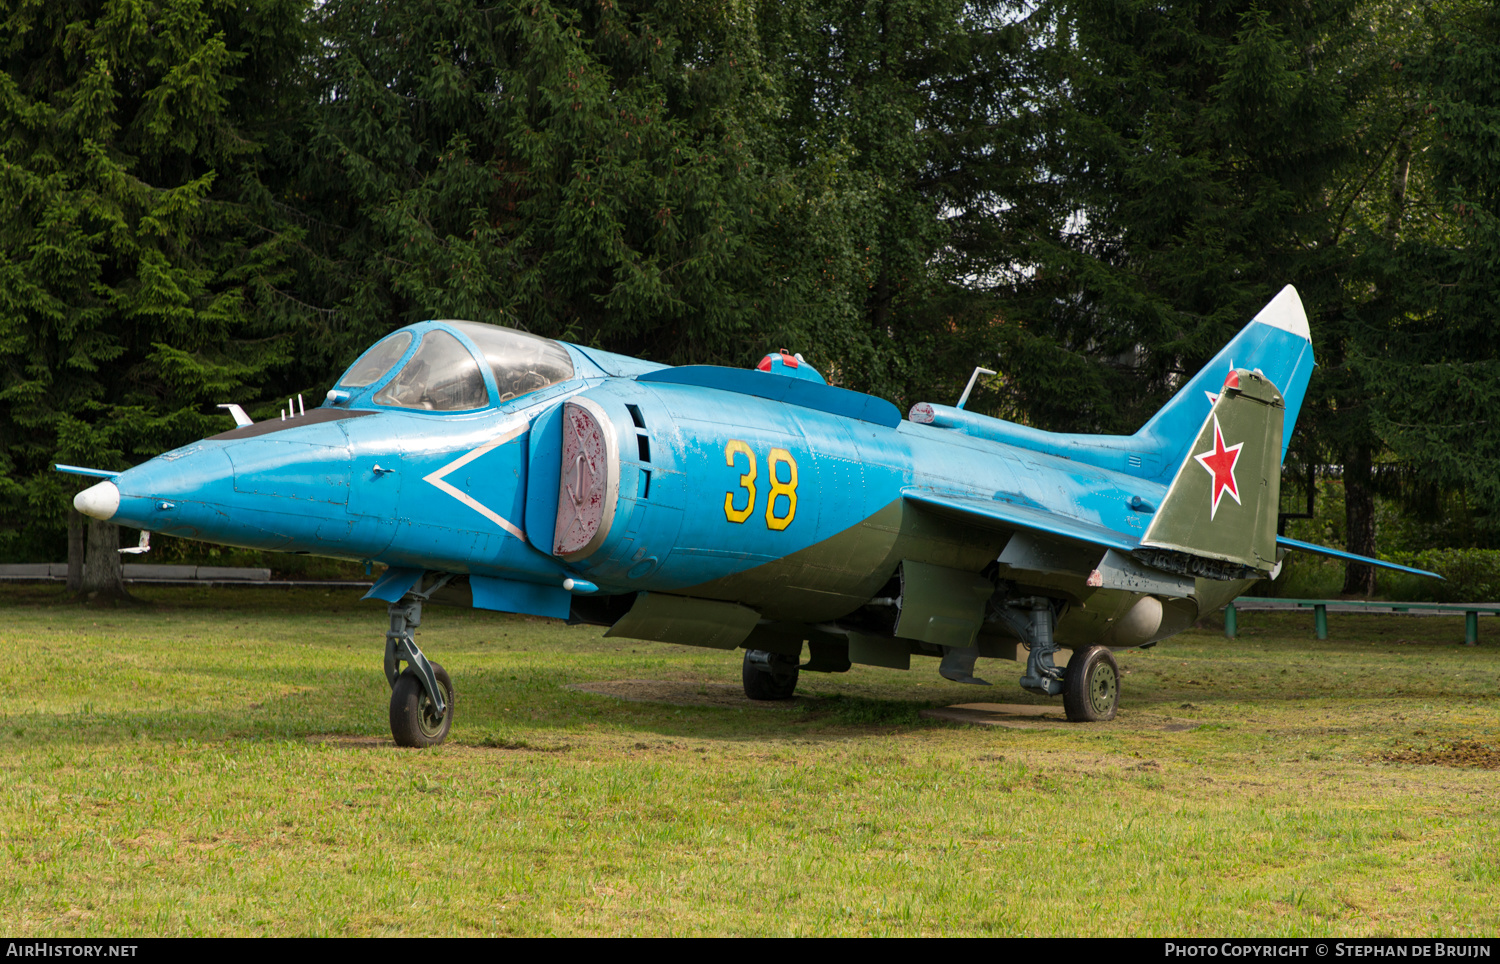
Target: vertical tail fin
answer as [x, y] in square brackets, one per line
[1276, 342]
[1218, 518]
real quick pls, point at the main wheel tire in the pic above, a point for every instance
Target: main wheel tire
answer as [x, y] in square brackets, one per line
[769, 676]
[414, 718]
[1091, 687]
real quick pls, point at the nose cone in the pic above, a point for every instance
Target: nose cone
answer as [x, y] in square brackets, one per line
[100, 501]
[182, 489]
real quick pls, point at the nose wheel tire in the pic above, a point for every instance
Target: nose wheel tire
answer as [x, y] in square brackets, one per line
[1091, 688]
[769, 676]
[414, 718]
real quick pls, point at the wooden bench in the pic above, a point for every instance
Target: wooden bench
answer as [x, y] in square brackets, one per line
[1320, 607]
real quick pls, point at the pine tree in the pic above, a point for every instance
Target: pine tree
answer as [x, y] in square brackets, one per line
[690, 182]
[578, 170]
[1433, 369]
[1193, 157]
[140, 246]
[1185, 155]
[888, 164]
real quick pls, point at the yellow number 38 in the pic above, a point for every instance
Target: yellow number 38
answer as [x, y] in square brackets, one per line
[788, 489]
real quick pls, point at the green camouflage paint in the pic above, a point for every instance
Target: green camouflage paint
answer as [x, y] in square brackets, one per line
[1223, 502]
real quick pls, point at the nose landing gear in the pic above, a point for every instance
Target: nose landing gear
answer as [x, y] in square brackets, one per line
[416, 719]
[422, 694]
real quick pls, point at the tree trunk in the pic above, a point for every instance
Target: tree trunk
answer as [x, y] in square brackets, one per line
[1400, 175]
[75, 552]
[1359, 518]
[103, 575]
[1359, 499]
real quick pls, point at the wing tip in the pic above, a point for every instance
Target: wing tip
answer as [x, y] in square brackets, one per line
[1300, 546]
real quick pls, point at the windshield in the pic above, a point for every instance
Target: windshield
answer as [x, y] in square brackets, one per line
[441, 377]
[377, 361]
[521, 362]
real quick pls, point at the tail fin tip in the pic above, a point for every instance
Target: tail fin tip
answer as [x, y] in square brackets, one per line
[1285, 312]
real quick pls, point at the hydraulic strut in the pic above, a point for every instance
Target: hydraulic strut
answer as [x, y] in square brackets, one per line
[401, 644]
[1034, 618]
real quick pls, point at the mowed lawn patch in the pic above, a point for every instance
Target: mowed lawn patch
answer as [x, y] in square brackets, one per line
[219, 762]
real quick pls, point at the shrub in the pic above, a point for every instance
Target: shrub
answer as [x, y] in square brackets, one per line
[1469, 575]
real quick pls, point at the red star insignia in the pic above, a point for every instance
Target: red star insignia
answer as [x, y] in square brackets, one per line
[1219, 463]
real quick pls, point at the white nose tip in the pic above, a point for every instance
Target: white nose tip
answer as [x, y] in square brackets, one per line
[98, 501]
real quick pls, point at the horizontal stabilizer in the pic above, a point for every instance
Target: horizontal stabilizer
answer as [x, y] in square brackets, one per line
[1301, 546]
[994, 514]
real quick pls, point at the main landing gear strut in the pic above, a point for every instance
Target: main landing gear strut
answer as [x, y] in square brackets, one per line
[422, 694]
[769, 676]
[1089, 686]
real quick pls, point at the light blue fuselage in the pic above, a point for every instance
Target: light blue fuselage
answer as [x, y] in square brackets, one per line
[477, 492]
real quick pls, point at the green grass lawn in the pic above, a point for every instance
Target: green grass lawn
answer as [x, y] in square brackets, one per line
[219, 762]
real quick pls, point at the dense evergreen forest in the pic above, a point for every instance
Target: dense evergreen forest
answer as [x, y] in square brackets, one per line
[207, 201]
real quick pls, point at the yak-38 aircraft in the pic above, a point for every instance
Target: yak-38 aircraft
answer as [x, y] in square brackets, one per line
[756, 509]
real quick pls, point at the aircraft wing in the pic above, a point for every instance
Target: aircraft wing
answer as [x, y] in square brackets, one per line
[1301, 546]
[997, 514]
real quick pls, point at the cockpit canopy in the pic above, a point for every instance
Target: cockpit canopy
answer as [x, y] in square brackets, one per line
[447, 371]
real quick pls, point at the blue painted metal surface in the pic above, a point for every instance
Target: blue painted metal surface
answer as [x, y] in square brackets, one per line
[716, 472]
[1155, 452]
[793, 390]
[513, 596]
[393, 584]
[1301, 546]
[80, 470]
